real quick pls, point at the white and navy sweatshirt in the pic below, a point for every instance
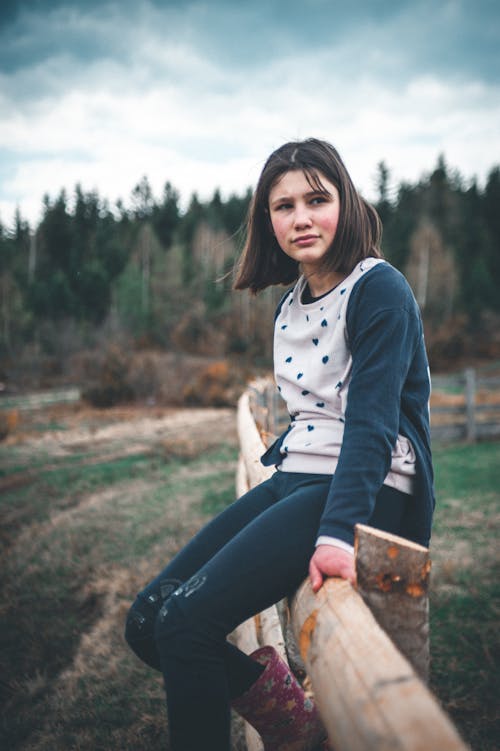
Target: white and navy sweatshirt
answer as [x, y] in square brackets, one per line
[352, 369]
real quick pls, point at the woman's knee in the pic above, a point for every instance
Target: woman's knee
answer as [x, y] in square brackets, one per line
[141, 617]
[170, 624]
[181, 628]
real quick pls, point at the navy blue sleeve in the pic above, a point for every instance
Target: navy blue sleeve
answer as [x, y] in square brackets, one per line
[384, 330]
[280, 304]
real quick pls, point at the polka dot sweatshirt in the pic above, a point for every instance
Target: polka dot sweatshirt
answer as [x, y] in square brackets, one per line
[342, 363]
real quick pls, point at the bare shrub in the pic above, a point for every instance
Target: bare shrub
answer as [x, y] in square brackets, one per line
[8, 422]
[217, 385]
[196, 334]
[109, 385]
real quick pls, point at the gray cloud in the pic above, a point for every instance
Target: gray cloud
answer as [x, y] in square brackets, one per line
[456, 37]
[198, 92]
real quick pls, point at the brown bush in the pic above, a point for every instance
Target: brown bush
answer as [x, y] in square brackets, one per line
[109, 385]
[456, 343]
[448, 343]
[218, 384]
[8, 422]
[160, 378]
[197, 335]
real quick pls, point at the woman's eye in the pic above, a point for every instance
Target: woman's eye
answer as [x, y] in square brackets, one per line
[318, 199]
[283, 206]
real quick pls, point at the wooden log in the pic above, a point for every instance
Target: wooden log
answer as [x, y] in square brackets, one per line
[470, 404]
[393, 580]
[271, 632]
[368, 695]
[251, 444]
[245, 637]
[292, 648]
[241, 477]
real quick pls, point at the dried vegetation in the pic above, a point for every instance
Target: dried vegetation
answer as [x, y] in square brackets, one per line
[93, 502]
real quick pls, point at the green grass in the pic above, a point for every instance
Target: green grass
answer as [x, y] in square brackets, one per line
[467, 471]
[64, 542]
[77, 529]
[62, 487]
[465, 593]
[218, 494]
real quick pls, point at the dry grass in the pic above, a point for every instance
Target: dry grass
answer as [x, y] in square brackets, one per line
[74, 559]
[465, 595]
[103, 499]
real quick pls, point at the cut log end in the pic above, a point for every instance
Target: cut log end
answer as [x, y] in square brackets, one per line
[389, 537]
[393, 580]
[388, 563]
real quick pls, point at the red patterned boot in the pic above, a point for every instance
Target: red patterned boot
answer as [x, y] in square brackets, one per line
[278, 709]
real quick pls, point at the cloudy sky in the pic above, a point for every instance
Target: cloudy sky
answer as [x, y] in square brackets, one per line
[198, 92]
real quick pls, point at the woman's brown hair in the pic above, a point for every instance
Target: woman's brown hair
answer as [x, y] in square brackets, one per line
[359, 230]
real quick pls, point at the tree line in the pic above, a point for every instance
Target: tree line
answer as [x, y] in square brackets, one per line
[151, 275]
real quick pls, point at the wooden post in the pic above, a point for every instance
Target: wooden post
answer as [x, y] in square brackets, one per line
[368, 695]
[393, 579]
[270, 631]
[470, 404]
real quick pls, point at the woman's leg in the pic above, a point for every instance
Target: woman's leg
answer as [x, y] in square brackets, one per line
[139, 630]
[287, 538]
[260, 565]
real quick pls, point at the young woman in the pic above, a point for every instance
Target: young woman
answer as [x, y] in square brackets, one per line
[351, 365]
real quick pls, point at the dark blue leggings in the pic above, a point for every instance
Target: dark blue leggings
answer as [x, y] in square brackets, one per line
[253, 554]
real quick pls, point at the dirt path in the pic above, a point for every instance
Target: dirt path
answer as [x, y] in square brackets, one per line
[94, 504]
[94, 436]
[80, 429]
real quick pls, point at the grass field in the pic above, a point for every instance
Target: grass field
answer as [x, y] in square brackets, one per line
[465, 593]
[90, 511]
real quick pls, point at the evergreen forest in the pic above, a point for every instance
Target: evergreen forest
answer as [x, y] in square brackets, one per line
[149, 276]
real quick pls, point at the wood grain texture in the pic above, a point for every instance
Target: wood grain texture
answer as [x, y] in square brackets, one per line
[393, 580]
[369, 696]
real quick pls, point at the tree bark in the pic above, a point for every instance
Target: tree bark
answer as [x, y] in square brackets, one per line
[368, 695]
[393, 580]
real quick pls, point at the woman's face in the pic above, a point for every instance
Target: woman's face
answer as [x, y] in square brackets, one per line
[304, 220]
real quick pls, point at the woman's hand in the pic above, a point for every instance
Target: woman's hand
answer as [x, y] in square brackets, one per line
[331, 561]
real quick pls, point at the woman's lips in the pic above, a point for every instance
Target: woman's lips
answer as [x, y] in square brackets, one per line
[305, 240]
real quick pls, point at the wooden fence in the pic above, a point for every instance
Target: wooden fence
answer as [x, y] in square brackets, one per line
[343, 640]
[464, 406]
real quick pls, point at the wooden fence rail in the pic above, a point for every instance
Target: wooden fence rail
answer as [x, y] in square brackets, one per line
[368, 691]
[464, 406]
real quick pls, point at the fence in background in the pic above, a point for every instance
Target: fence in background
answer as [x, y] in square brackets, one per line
[39, 399]
[464, 407]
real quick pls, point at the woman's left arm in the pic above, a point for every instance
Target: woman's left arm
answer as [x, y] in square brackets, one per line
[384, 330]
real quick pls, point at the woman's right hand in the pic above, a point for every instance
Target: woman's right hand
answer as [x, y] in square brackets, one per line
[328, 560]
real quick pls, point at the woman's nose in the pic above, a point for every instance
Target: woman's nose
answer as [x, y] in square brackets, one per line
[302, 216]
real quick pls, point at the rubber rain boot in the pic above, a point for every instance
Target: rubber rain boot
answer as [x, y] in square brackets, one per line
[276, 706]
